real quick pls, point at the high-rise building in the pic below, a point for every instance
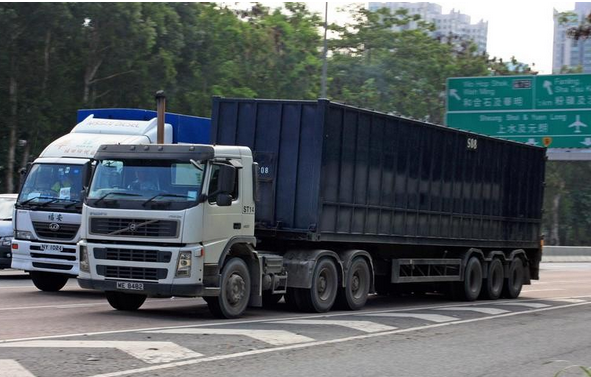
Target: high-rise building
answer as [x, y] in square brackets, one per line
[455, 24]
[568, 52]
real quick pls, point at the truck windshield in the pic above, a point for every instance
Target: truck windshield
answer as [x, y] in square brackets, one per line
[146, 184]
[55, 185]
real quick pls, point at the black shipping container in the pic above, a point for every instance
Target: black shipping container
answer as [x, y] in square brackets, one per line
[331, 172]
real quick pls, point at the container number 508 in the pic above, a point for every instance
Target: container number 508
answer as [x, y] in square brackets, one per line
[472, 143]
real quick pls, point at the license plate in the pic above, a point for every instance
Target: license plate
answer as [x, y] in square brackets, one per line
[48, 247]
[130, 286]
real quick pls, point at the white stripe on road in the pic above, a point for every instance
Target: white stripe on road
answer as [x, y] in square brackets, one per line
[274, 337]
[491, 311]
[13, 369]
[438, 318]
[525, 304]
[324, 342]
[571, 300]
[541, 290]
[365, 326]
[149, 352]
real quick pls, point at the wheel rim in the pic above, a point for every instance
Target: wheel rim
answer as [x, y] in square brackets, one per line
[235, 289]
[323, 287]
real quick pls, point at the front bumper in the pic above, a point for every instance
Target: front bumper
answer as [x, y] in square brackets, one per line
[150, 289]
[31, 256]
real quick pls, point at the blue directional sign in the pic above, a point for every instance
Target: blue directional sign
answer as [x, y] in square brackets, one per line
[548, 110]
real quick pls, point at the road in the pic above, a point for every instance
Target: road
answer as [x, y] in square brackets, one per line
[76, 333]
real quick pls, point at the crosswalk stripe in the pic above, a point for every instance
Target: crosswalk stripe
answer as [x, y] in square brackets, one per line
[491, 311]
[149, 352]
[13, 369]
[365, 326]
[534, 305]
[274, 337]
[438, 318]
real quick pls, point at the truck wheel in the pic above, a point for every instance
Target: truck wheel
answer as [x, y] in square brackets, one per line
[321, 297]
[514, 281]
[493, 284]
[47, 281]
[354, 295]
[128, 302]
[234, 291]
[469, 289]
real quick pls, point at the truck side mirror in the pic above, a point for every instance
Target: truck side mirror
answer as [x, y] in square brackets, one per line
[223, 200]
[227, 179]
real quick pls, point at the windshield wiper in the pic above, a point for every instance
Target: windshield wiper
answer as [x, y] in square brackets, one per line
[36, 197]
[115, 193]
[162, 195]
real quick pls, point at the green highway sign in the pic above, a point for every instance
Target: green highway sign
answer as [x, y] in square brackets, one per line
[549, 110]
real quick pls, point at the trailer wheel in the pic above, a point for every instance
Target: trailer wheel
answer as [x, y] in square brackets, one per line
[354, 295]
[47, 281]
[322, 296]
[125, 301]
[493, 284]
[469, 289]
[514, 281]
[234, 291]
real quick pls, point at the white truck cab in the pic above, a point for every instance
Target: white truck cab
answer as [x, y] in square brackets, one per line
[172, 237]
[47, 211]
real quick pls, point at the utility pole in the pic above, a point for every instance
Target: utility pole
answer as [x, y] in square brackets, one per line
[323, 90]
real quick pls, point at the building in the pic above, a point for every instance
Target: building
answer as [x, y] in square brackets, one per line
[568, 52]
[455, 23]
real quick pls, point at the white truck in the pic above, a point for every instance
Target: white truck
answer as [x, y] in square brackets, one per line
[340, 202]
[47, 212]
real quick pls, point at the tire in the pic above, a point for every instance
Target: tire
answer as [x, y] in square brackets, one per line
[514, 279]
[357, 282]
[271, 300]
[492, 286]
[48, 282]
[128, 302]
[322, 296]
[234, 291]
[469, 289]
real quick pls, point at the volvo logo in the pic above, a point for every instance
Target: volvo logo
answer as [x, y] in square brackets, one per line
[54, 227]
[132, 227]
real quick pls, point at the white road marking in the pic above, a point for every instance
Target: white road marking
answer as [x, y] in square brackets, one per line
[438, 318]
[149, 352]
[365, 326]
[268, 319]
[13, 369]
[274, 337]
[542, 290]
[571, 300]
[491, 311]
[325, 342]
[65, 306]
[534, 305]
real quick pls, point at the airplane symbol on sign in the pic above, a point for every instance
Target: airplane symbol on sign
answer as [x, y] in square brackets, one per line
[577, 124]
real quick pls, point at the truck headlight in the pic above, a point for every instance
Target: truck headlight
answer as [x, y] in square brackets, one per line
[183, 267]
[6, 241]
[84, 262]
[25, 235]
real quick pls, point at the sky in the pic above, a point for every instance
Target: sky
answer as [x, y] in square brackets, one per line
[520, 28]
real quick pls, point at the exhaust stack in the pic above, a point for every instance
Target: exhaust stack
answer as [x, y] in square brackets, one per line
[160, 110]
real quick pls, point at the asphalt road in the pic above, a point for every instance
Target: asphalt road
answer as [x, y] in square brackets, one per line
[76, 333]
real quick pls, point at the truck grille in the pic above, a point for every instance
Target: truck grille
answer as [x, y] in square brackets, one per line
[63, 231]
[134, 273]
[133, 255]
[134, 227]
